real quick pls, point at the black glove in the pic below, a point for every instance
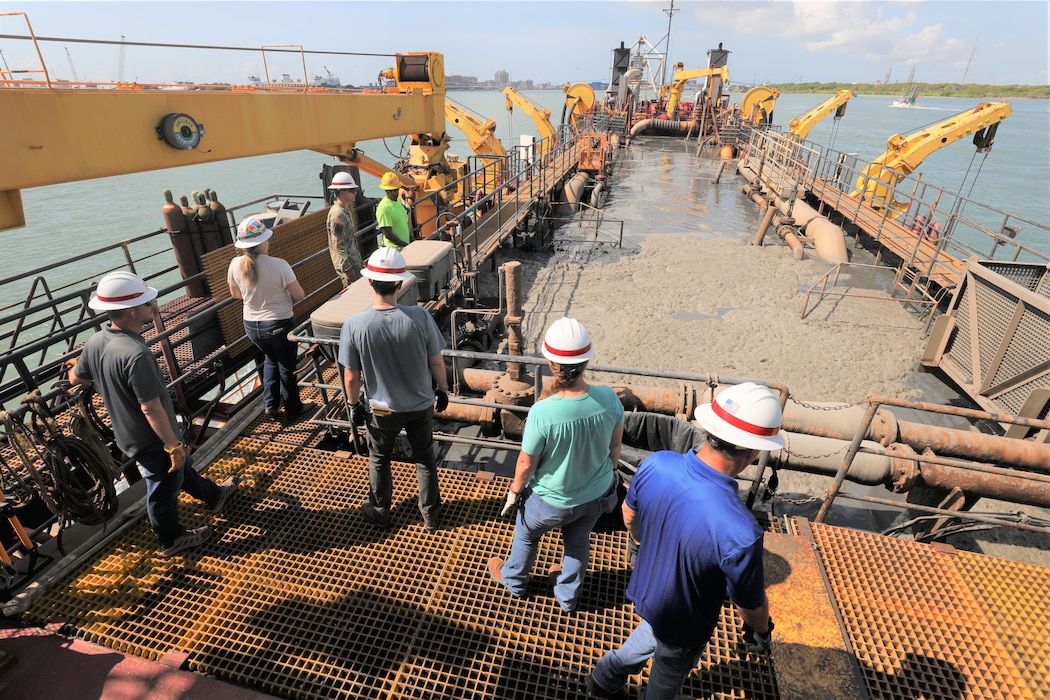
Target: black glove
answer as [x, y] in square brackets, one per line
[440, 400]
[757, 642]
[359, 413]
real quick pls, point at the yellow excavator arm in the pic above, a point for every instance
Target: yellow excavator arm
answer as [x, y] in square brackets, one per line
[481, 135]
[904, 154]
[681, 77]
[53, 135]
[540, 117]
[800, 126]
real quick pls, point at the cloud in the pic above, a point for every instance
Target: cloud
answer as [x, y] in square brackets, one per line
[876, 33]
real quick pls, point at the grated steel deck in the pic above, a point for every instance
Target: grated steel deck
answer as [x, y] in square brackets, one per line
[298, 597]
[933, 622]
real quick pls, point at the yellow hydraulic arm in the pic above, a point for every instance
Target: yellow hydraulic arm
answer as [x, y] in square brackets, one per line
[681, 77]
[481, 135]
[540, 117]
[905, 153]
[53, 135]
[800, 126]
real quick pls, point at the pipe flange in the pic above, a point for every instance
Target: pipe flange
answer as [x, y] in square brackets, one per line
[511, 391]
[904, 469]
[884, 428]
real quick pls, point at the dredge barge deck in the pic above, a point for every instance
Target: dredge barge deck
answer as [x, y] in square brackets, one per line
[298, 597]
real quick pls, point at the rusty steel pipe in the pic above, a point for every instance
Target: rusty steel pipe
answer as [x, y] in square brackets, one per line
[767, 219]
[1014, 489]
[788, 235]
[981, 447]
[513, 318]
[872, 465]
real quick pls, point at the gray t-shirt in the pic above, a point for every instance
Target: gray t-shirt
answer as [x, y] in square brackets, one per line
[269, 299]
[126, 375]
[392, 349]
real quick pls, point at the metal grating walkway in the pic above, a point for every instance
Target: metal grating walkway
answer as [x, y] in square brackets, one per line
[298, 597]
[934, 622]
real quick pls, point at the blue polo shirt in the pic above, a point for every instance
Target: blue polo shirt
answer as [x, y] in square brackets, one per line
[698, 543]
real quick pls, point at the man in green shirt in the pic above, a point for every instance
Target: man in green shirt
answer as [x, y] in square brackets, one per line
[391, 215]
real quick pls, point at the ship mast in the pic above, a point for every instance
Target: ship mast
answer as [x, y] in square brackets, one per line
[667, 50]
[970, 60]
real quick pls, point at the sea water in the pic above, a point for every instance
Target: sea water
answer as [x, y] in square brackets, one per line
[659, 186]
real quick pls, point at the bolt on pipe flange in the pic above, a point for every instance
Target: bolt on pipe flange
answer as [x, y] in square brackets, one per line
[904, 469]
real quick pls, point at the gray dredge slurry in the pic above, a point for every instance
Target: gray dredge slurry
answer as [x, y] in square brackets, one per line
[725, 307]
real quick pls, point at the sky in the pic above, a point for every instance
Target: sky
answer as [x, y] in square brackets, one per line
[990, 42]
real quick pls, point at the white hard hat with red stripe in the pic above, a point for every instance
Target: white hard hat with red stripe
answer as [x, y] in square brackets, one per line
[567, 342]
[121, 290]
[747, 415]
[343, 181]
[387, 265]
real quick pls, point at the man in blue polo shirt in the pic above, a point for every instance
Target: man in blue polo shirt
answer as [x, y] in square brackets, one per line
[697, 542]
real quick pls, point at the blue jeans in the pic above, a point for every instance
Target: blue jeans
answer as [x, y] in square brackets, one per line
[162, 492]
[382, 434]
[671, 665]
[538, 518]
[279, 358]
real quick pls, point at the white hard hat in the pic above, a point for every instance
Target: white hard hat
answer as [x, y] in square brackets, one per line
[386, 265]
[251, 232]
[747, 415]
[121, 290]
[343, 181]
[567, 342]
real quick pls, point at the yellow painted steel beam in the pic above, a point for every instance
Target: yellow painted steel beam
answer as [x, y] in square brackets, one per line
[51, 136]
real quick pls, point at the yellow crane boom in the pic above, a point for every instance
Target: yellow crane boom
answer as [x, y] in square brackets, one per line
[53, 135]
[540, 117]
[904, 154]
[681, 77]
[481, 135]
[801, 126]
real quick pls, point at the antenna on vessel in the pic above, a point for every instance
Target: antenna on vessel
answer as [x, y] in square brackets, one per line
[667, 52]
[970, 59]
[120, 61]
[76, 78]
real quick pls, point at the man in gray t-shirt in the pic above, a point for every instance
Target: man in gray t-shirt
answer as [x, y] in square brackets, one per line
[393, 352]
[140, 410]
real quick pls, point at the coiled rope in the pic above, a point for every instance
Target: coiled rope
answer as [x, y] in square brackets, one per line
[76, 475]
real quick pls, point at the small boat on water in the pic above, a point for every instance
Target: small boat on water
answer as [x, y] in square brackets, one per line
[299, 598]
[907, 98]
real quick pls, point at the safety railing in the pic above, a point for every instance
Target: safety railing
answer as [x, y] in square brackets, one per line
[965, 227]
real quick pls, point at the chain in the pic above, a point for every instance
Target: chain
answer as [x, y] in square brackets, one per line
[839, 451]
[836, 407]
[802, 501]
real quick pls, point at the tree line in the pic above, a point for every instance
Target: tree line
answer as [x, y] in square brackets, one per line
[970, 90]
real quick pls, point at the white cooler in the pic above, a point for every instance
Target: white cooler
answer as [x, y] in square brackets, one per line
[431, 262]
[327, 319]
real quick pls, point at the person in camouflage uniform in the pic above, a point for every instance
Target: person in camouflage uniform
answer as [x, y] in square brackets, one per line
[342, 229]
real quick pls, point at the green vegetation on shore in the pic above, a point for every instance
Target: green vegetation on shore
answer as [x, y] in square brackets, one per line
[970, 90]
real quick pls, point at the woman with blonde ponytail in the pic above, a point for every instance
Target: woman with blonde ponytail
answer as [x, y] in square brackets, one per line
[268, 288]
[565, 474]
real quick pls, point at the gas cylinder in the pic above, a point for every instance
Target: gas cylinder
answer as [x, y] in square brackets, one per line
[223, 221]
[182, 245]
[209, 228]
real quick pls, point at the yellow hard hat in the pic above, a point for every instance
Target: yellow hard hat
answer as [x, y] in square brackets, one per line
[390, 181]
